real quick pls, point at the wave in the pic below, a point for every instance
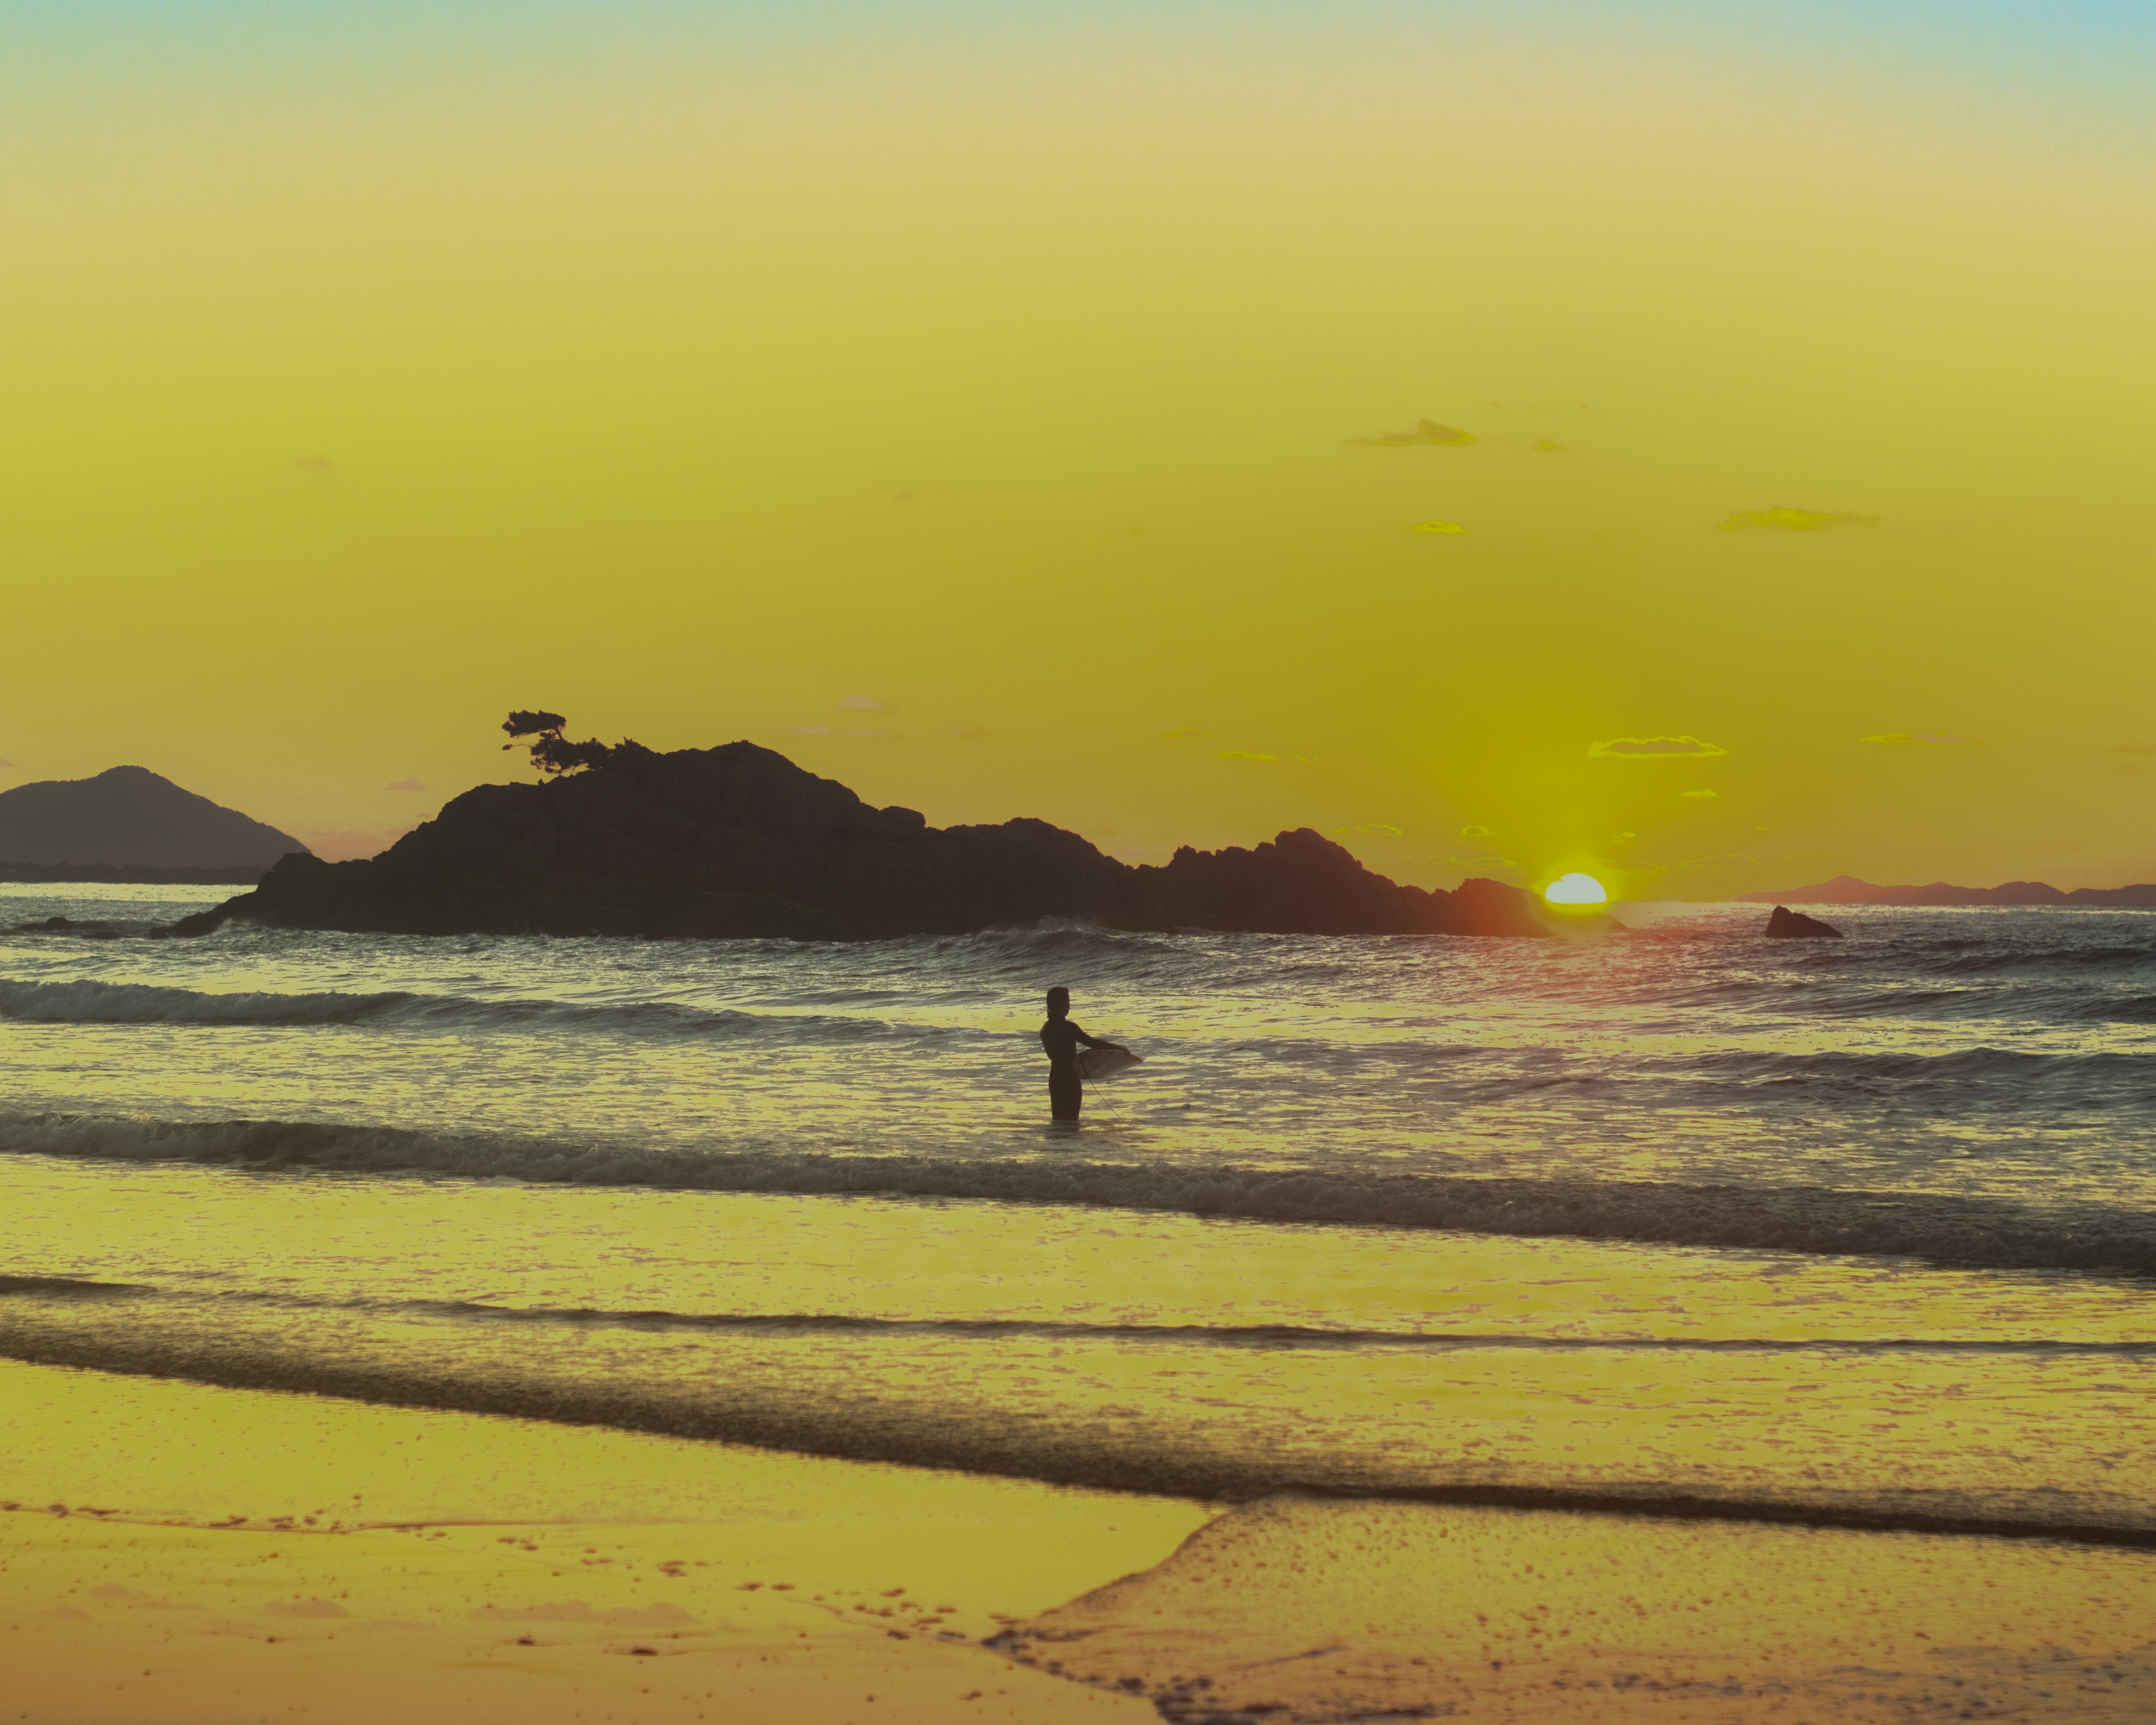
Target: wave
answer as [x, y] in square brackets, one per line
[835, 1413]
[1269, 1336]
[1264, 1336]
[2125, 1009]
[2046, 958]
[1976, 1232]
[87, 1002]
[2090, 1076]
[70, 1287]
[96, 1003]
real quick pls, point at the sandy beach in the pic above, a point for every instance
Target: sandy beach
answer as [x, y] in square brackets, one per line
[179, 1555]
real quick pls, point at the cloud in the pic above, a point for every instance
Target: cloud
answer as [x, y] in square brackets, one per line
[1243, 755]
[968, 732]
[9, 765]
[1792, 521]
[1181, 732]
[1697, 793]
[1474, 832]
[315, 464]
[1922, 739]
[1427, 432]
[1648, 748]
[862, 733]
[1437, 528]
[405, 784]
[1375, 829]
[2122, 749]
[1545, 446]
[860, 704]
[806, 731]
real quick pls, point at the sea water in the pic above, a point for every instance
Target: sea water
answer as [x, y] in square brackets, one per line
[1861, 1230]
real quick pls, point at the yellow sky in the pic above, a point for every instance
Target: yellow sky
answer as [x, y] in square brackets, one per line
[696, 389]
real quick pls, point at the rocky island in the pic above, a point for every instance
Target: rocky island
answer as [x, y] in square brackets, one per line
[738, 841]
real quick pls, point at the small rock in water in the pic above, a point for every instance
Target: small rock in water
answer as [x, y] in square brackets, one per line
[1788, 925]
[61, 925]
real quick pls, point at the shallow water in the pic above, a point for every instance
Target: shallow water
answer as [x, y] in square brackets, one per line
[1863, 1230]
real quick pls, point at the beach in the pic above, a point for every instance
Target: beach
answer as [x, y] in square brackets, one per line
[1684, 1327]
[229, 1555]
[195, 1555]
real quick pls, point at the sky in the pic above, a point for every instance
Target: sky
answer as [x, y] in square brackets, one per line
[986, 406]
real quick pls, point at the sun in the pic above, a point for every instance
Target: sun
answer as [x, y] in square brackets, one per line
[1575, 890]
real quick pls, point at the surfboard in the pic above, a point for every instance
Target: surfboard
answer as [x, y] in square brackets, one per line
[1106, 1062]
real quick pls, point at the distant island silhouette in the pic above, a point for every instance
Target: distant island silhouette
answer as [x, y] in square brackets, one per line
[1847, 889]
[738, 841]
[129, 824]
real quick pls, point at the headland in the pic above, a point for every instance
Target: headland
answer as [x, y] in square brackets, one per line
[738, 841]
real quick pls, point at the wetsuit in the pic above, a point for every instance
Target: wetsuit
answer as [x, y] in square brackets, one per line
[1060, 1037]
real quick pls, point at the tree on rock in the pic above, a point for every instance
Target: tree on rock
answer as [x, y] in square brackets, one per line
[552, 752]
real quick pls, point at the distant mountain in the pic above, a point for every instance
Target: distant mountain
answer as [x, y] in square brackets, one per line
[1848, 890]
[129, 819]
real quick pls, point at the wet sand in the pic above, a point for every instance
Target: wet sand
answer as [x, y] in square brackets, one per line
[1307, 1610]
[227, 1556]
[179, 1555]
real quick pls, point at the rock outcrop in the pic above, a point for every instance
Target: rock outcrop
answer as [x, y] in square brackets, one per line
[1788, 925]
[129, 819]
[738, 841]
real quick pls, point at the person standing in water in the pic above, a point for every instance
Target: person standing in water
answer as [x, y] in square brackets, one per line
[1060, 1036]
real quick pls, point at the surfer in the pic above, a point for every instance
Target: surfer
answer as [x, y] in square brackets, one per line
[1060, 1036]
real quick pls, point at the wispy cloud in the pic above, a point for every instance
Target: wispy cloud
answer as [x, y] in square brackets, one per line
[1374, 829]
[1244, 755]
[967, 732]
[1549, 446]
[860, 704]
[1697, 793]
[1793, 520]
[404, 784]
[1474, 832]
[1428, 434]
[2123, 748]
[1655, 747]
[1437, 528]
[828, 730]
[1922, 739]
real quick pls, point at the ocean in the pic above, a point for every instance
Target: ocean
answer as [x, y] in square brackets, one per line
[1685, 1221]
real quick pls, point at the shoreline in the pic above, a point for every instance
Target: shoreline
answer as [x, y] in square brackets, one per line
[188, 1555]
[184, 1555]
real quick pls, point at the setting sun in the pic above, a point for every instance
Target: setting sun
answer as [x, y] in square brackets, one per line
[1575, 890]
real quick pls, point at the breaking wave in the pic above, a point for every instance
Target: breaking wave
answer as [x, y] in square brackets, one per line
[1965, 1232]
[1268, 1336]
[841, 1406]
[96, 1003]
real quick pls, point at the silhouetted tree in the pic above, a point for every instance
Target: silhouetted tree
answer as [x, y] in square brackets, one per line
[552, 752]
